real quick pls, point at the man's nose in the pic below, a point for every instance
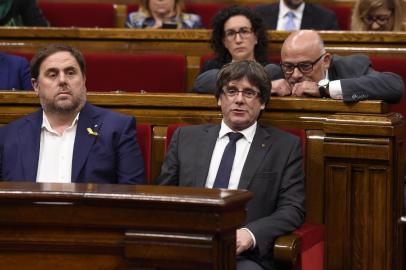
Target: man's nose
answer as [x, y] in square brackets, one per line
[296, 73]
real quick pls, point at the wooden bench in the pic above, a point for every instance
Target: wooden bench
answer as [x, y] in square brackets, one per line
[354, 162]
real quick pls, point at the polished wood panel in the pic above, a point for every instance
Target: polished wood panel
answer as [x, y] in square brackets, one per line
[354, 163]
[90, 226]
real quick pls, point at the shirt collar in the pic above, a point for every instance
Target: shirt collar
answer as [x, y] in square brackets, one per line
[283, 9]
[47, 126]
[248, 132]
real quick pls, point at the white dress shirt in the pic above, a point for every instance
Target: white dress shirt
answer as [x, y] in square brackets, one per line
[56, 152]
[242, 147]
[283, 18]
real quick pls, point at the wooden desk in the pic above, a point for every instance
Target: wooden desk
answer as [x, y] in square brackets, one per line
[354, 162]
[89, 226]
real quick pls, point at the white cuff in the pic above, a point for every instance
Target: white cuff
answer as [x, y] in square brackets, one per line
[253, 237]
[334, 89]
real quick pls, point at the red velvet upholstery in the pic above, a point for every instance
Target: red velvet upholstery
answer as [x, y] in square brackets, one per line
[312, 238]
[132, 8]
[396, 64]
[144, 139]
[132, 72]
[343, 14]
[64, 14]
[206, 11]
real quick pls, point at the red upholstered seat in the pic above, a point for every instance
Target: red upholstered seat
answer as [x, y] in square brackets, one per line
[134, 72]
[144, 138]
[64, 14]
[343, 14]
[312, 239]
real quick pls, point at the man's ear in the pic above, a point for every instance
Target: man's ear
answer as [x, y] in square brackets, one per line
[327, 60]
[262, 107]
[219, 102]
[34, 83]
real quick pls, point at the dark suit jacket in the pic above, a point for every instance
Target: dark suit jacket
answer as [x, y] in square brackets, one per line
[359, 81]
[14, 73]
[272, 172]
[111, 157]
[314, 17]
[27, 11]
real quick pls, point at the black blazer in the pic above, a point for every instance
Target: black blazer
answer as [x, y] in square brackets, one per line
[314, 17]
[273, 172]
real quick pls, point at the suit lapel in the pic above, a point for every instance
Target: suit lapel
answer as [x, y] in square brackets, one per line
[306, 18]
[259, 148]
[88, 118]
[29, 141]
[274, 17]
[204, 151]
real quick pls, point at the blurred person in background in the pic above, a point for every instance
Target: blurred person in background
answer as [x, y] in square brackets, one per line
[238, 34]
[165, 14]
[378, 15]
[291, 15]
[21, 13]
[14, 73]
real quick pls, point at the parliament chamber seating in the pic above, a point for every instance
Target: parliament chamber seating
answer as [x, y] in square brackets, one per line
[136, 72]
[66, 14]
[133, 72]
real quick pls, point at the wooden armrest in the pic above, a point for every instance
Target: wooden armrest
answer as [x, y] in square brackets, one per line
[286, 249]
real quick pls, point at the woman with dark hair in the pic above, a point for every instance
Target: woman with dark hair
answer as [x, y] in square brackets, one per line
[238, 34]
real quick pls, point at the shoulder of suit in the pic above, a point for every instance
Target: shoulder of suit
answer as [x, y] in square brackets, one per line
[320, 9]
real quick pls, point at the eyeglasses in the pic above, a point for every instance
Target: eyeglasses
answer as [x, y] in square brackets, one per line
[304, 67]
[380, 19]
[247, 93]
[244, 32]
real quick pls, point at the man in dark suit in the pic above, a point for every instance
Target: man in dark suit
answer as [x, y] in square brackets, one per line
[303, 15]
[308, 70]
[14, 73]
[266, 161]
[68, 140]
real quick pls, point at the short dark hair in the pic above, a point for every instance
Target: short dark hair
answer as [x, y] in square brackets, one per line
[222, 54]
[43, 53]
[252, 70]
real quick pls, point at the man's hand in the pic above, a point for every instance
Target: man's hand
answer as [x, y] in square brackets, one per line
[244, 241]
[306, 88]
[281, 88]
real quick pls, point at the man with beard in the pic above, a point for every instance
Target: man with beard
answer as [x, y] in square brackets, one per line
[290, 15]
[308, 70]
[68, 139]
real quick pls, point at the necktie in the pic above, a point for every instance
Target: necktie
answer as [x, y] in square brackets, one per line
[290, 23]
[227, 160]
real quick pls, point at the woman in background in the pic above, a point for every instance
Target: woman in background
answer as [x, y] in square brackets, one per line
[162, 14]
[378, 15]
[238, 34]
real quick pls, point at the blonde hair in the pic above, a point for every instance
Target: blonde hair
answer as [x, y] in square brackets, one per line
[363, 7]
[144, 7]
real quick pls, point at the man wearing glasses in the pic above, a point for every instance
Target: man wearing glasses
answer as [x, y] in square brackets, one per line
[308, 70]
[241, 154]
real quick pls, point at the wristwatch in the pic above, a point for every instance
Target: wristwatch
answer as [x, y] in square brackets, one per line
[323, 88]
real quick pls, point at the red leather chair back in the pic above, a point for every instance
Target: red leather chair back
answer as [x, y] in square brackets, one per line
[343, 14]
[133, 72]
[64, 14]
[144, 139]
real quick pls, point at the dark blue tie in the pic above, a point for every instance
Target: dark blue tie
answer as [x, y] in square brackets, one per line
[227, 160]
